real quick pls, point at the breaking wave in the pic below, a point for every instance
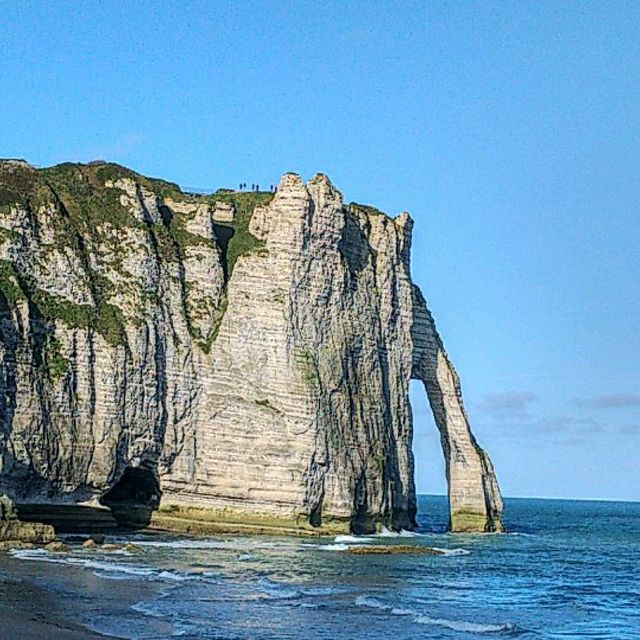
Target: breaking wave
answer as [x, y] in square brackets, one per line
[372, 603]
[420, 618]
[238, 544]
[353, 539]
[470, 627]
[453, 552]
[334, 547]
[103, 568]
[387, 533]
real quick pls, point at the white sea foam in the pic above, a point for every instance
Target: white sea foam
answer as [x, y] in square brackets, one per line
[280, 594]
[452, 552]
[333, 547]
[102, 568]
[387, 533]
[182, 544]
[147, 609]
[398, 611]
[58, 558]
[115, 575]
[322, 591]
[237, 544]
[460, 625]
[340, 544]
[455, 625]
[371, 603]
[276, 590]
[353, 539]
[177, 577]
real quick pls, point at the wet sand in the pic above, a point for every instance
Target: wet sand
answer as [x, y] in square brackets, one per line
[26, 612]
[58, 601]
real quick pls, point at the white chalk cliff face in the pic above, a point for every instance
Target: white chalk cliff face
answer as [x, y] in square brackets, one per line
[237, 358]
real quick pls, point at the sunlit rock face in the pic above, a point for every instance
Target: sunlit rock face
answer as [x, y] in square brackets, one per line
[247, 354]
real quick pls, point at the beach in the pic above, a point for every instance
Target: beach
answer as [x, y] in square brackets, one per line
[565, 569]
[52, 601]
[27, 611]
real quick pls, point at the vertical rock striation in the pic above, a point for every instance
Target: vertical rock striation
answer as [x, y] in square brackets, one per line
[241, 358]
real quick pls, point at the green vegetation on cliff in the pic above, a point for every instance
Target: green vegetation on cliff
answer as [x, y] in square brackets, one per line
[356, 207]
[89, 214]
[242, 241]
[104, 318]
[9, 283]
[55, 363]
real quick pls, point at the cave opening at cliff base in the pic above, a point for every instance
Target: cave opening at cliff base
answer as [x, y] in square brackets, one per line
[137, 486]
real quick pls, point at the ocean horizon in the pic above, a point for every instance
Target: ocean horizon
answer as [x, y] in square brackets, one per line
[566, 569]
[443, 495]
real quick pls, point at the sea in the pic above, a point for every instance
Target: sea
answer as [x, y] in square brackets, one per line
[565, 570]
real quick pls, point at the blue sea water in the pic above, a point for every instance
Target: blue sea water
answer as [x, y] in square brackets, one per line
[566, 570]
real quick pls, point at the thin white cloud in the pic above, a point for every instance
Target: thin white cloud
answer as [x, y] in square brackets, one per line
[511, 414]
[609, 401]
[632, 429]
[507, 405]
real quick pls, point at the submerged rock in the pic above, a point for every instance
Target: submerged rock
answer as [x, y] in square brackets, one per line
[241, 358]
[386, 549]
[8, 545]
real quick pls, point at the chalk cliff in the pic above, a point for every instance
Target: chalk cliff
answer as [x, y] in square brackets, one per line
[241, 358]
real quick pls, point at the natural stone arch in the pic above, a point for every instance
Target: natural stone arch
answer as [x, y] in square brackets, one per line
[475, 503]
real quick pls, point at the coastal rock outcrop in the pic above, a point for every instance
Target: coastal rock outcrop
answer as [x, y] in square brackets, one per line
[15, 533]
[240, 358]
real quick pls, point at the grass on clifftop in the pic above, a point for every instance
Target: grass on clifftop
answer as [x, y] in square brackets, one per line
[366, 208]
[82, 190]
[242, 241]
[89, 210]
[19, 183]
[88, 202]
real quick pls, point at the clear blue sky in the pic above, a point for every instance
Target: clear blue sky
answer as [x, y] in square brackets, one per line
[510, 131]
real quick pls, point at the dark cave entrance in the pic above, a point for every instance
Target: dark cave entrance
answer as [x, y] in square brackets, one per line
[223, 234]
[134, 497]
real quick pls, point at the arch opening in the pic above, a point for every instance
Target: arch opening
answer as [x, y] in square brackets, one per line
[429, 463]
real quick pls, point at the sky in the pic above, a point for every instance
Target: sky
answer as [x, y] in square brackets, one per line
[509, 131]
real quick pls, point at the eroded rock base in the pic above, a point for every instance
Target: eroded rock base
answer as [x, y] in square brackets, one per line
[16, 533]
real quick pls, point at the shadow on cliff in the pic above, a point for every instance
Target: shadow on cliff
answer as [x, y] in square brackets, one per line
[8, 389]
[38, 501]
[223, 235]
[128, 505]
[37, 498]
[129, 502]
